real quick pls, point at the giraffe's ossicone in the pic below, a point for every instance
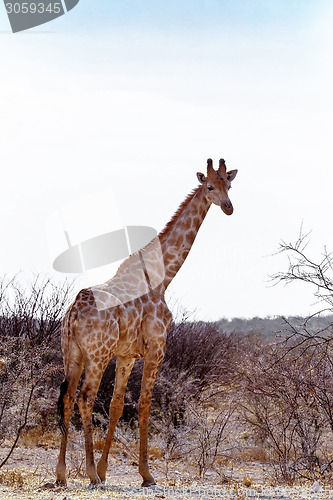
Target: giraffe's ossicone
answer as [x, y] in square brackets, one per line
[128, 317]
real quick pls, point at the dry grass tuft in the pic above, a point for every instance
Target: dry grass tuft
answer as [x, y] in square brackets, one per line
[224, 461]
[247, 481]
[12, 478]
[253, 454]
[36, 437]
[155, 453]
[99, 443]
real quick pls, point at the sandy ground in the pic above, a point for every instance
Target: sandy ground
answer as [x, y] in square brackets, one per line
[30, 475]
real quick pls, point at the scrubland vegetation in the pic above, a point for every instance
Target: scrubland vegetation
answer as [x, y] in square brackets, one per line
[228, 394]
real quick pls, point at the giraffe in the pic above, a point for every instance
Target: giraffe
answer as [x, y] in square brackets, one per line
[127, 317]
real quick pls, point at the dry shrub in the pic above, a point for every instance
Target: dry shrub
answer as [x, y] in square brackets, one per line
[30, 313]
[285, 414]
[202, 351]
[76, 464]
[210, 422]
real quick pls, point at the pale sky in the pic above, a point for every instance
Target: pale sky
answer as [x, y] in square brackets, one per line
[131, 98]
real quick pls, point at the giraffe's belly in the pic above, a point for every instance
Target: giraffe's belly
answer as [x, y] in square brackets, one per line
[129, 348]
[143, 328]
[130, 342]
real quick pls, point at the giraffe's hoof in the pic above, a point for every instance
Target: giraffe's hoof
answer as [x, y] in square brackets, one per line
[147, 483]
[96, 485]
[59, 482]
[103, 479]
[48, 486]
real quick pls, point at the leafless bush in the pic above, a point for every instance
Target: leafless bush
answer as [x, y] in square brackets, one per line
[309, 336]
[168, 420]
[198, 356]
[284, 413]
[33, 309]
[30, 315]
[193, 396]
[203, 351]
[209, 422]
[288, 386]
[23, 373]
[202, 433]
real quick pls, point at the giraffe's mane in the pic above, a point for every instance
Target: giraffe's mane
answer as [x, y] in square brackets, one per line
[166, 229]
[180, 209]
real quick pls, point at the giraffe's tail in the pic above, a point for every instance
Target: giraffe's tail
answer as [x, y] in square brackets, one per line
[65, 341]
[61, 414]
[68, 347]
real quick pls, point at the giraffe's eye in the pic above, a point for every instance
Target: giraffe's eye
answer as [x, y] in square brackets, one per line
[210, 188]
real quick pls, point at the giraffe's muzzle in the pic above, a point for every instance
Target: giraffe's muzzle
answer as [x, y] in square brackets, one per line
[227, 207]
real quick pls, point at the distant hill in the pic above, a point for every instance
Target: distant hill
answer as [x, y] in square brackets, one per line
[269, 326]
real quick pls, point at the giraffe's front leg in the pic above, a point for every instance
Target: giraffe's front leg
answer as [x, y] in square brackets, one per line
[123, 370]
[150, 370]
[85, 402]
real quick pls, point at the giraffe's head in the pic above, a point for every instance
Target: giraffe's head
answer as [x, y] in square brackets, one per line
[217, 184]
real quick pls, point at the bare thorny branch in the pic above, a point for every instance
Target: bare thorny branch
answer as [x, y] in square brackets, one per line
[319, 275]
[302, 268]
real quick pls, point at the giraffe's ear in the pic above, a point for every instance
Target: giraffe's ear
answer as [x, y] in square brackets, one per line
[231, 175]
[201, 178]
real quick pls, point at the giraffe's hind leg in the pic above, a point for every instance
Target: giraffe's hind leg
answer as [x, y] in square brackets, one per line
[85, 401]
[123, 371]
[66, 406]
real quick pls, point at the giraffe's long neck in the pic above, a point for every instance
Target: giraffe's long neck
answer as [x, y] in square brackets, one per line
[155, 266]
[179, 234]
